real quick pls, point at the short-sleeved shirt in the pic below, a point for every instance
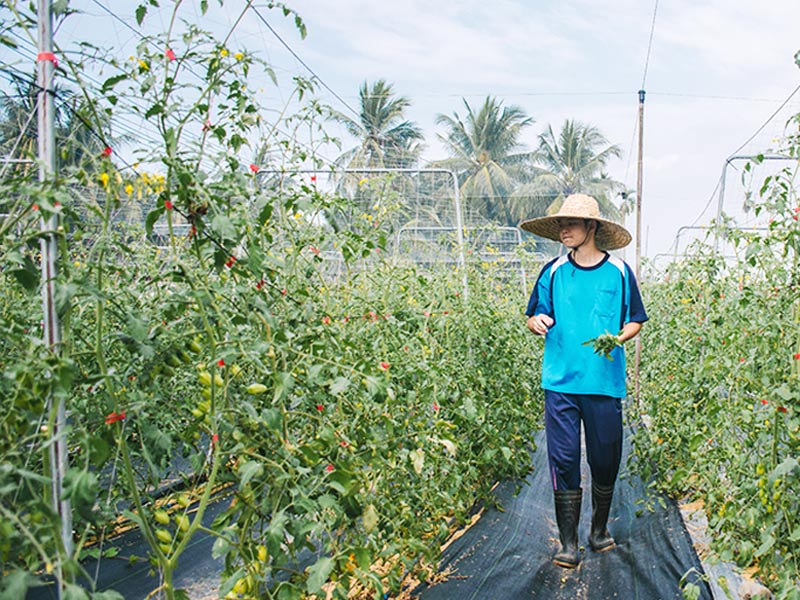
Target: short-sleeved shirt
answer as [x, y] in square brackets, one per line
[585, 302]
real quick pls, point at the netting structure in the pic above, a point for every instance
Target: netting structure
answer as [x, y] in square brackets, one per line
[421, 212]
[736, 203]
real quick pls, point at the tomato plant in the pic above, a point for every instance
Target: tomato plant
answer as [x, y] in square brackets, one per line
[358, 415]
[720, 385]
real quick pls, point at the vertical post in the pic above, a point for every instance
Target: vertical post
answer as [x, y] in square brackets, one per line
[720, 200]
[49, 251]
[462, 262]
[639, 176]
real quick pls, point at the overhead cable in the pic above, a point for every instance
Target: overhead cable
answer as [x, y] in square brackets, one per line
[649, 45]
[772, 116]
[735, 152]
[302, 62]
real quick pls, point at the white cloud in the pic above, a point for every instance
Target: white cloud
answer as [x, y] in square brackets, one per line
[450, 47]
[733, 35]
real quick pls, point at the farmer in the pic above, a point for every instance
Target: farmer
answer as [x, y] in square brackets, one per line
[579, 296]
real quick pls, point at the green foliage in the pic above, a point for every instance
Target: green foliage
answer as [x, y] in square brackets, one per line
[359, 415]
[721, 383]
[604, 344]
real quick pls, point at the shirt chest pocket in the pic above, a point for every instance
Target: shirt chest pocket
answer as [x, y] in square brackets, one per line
[607, 303]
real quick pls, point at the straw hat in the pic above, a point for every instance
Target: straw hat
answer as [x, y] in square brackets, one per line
[609, 236]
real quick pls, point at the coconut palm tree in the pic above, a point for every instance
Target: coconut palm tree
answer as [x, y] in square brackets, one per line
[574, 161]
[386, 138]
[77, 142]
[79, 138]
[18, 122]
[487, 155]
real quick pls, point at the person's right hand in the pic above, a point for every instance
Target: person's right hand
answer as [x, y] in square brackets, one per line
[540, 324]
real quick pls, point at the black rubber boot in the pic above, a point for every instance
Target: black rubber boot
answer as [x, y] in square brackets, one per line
[599, 538]
[568, 512]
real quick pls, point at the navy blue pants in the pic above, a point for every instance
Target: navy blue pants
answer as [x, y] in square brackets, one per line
[602, 424]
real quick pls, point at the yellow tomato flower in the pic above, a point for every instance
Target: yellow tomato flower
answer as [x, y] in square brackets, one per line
[104, 179]
[238, 56]
[129, 189]
[143, 65]
[223, 53]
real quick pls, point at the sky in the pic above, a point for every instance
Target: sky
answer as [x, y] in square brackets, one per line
[717, 70]
[716, 74]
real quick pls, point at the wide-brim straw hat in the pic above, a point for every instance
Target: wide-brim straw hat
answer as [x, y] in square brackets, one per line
[610, 235]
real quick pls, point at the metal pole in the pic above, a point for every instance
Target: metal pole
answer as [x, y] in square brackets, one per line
[49, 250]
[721, 198]
[718, 222]
[462, 262]
[639, 177]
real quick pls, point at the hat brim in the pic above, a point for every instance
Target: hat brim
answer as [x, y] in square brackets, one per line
[609, 236]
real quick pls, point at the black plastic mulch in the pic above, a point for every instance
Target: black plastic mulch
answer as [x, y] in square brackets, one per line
[507, 555]
[198, 572]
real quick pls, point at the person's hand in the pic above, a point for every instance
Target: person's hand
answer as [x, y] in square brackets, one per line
[540, 324]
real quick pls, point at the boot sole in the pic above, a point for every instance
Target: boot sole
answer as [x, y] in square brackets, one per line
[604, 548]
[565, 564]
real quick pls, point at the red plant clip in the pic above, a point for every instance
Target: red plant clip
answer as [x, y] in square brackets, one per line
[113, 417]
[47, 56]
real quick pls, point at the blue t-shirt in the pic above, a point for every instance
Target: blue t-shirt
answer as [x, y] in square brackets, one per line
[585, 302]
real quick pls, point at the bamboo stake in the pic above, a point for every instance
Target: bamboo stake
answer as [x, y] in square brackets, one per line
[639, 177]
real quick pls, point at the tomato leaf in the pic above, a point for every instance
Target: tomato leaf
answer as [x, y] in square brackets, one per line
[318, 574]
[249, 470]
[339, 385]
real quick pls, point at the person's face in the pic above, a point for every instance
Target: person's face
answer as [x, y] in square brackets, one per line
[573, 232]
